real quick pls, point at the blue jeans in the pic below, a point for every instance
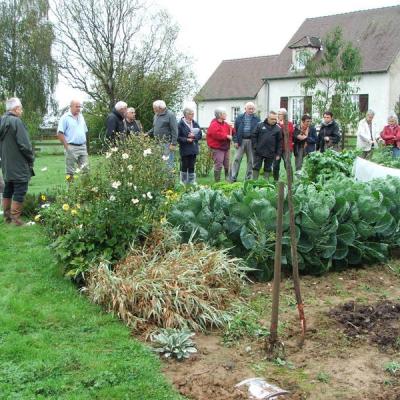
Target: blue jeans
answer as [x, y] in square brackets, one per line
[171, 156]
[396, 152]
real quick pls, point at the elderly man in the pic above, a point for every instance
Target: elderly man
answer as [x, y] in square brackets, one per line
[165, 128]
[266, 141]
[16, 161]
[367, 135]
[329, 133]
[244, 125]
[132, 125]
[71, 132]
[115, 122]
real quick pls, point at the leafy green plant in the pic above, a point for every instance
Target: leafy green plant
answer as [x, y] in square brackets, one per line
[383, 156]
[393, 367]
[323, 377]
[174, 343]
[204, 162]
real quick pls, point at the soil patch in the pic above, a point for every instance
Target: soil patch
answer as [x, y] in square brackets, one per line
[379, 321]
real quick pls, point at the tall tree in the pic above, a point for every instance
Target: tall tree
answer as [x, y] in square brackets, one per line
[332, 79]
[119, 50]
[27, 68]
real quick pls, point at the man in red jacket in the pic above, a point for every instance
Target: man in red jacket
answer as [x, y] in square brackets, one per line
[281, 122]
[219, 136]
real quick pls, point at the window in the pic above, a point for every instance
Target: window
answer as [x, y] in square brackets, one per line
[300, 58]
[296, 110]
[235, 112]
[361, 101]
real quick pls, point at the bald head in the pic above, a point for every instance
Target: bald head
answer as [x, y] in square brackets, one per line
[75, 107]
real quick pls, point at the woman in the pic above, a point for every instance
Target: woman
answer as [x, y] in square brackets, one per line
[189, 134]
[305, 139]
[219, 136]
[391, 135]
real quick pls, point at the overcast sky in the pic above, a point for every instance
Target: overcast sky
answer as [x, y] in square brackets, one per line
[216, 30]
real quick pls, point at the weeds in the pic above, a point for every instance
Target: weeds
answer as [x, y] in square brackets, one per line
[393, 367]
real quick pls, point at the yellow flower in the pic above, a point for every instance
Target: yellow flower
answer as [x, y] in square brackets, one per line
[78, 206]
[68, 177]
[65, 207]
[43, 197]
[37, 218]
[74, 212]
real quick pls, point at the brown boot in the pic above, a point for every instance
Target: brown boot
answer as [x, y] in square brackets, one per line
[16, 211]
[6, 204]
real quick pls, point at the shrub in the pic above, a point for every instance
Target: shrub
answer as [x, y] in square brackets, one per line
[168, 284]
[384, 157]
[174, 343]
[104, 210]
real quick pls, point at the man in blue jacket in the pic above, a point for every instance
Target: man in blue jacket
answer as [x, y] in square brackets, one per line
[245, 124]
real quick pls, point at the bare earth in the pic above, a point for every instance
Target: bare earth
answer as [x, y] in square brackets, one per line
[353, 331]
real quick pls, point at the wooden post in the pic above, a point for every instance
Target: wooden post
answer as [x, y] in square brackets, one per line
[271, 344]
[293, 241]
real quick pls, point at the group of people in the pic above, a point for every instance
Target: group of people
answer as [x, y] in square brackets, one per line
[263, 141]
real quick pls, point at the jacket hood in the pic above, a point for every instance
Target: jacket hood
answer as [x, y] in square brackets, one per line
[114, 111]
[3, 131]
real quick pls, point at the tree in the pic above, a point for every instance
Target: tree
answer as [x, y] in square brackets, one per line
[332, 77]
[118, 50]
[27, 68]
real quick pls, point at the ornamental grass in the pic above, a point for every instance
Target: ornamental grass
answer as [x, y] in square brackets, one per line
[167, 284]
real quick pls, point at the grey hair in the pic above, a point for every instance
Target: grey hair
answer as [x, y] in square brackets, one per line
[188, 110]
[282, 111]
[393, 116]
[120, 105]
[160, 104]
[130, 109]
[75, 101]
[219, 111]
[272, 112]
[370, 112]
[12, 103]
[249, 104]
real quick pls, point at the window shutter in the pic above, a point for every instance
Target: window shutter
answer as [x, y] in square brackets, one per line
[308, 105]
[363, 103]
[284, 103]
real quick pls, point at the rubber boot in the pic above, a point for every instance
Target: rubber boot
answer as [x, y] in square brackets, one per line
[6, 204]
[255, 174]
[16, 211]
[192, 178]
[217, 175]
[184, 178]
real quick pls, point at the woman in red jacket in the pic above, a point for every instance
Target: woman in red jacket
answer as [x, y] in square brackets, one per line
[391, 135]
[219, 136]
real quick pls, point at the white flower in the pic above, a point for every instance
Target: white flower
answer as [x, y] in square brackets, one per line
[125, 156]
[45, 205]
[135, 201]
[135, 187]
[94, 189]
[116, 184]
[149, 195]
[77, 171]
[143, 195]
[114, 149]
[130, 167]
[80, 226]
[44, 169]
[129, 184]
[31, 223]
[112, 198]
[108, 154]
[165, 158]
[146, 152]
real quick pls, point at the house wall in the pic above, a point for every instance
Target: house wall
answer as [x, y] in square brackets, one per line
[378, 87]
[205, 110]
[394, 73]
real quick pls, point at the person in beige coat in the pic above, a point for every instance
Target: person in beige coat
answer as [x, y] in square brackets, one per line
[367, 135]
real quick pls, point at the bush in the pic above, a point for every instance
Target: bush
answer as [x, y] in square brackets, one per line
[384, 156]
[104, 210]
[169, 285]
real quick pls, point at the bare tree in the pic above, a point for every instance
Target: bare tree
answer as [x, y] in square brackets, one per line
[106, 47]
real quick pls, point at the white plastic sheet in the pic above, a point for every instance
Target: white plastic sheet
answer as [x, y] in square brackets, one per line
[365, 170]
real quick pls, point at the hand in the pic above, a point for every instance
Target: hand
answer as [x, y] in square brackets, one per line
[326, 138]
[191, 135]
[190, 139]
[172, 147]
[277, 158]
[229, 137]
[237, 145]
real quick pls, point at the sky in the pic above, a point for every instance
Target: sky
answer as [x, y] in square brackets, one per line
[216, 30]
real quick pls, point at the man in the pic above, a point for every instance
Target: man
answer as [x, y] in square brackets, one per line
[16, 161]
[245, 124]
[282, 112]
[115, 122]
[132, 125]
[329, 134]
[165, 128]
[71, 132]
[367, 134]
[266, 141]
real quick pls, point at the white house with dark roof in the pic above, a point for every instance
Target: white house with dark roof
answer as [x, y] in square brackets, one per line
[274, 81]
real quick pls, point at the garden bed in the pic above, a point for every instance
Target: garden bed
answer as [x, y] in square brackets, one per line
[333, 363]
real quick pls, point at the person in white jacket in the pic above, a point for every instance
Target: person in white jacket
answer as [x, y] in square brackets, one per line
[367, 135]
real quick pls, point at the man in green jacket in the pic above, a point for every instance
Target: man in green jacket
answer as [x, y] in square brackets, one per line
[16, 161]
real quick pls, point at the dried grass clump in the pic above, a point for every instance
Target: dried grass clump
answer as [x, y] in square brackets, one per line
[169, 284]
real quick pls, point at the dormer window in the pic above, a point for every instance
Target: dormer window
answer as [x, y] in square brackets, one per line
[300, 58]
[303, 50]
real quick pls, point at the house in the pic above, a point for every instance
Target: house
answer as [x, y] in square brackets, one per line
[272, 82]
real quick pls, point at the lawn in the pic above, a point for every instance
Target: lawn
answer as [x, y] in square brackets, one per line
[54, 343]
